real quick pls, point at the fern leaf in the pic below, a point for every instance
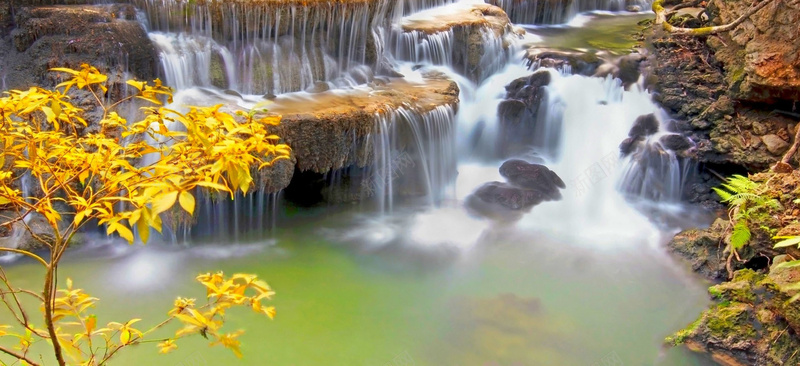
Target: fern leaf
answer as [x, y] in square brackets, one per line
[740, 235]
[723, 194]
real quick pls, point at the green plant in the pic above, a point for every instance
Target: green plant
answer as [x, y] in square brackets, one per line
[785, 242]
[747, 202]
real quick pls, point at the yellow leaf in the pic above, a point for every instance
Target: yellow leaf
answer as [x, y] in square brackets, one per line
[164, 202]
[186, 201]
[136, 84]
[167, 346]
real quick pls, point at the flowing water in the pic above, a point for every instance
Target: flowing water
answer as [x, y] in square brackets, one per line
[415, 281]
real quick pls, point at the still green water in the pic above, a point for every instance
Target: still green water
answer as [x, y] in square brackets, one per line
[511, 299]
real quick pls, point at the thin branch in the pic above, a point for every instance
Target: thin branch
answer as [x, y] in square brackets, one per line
[25, 252]
[661, 18]
[17, 356]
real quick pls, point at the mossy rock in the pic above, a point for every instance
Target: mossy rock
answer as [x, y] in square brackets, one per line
[748, 324]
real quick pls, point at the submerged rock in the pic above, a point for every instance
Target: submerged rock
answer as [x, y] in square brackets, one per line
[509, 196]
[528, 185]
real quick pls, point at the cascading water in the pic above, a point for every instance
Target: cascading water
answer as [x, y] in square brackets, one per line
[558, 12]
[413, 151]
[246, 46]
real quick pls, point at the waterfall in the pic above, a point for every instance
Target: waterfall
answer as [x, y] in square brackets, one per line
[276, 47]
[247, 46]
[250, 216]
[413, 153]
[594, 116]
[420, 47]
[558, 11]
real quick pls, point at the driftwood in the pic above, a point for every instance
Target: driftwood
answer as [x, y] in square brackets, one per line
[661, 18]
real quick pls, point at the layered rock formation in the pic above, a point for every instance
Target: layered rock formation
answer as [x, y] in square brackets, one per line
[715, 86]
[106, 36]
[471, 38]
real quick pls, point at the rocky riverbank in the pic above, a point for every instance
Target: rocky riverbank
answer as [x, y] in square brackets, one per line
[734, 95]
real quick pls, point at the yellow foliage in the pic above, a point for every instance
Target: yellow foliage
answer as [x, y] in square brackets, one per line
[81, 176]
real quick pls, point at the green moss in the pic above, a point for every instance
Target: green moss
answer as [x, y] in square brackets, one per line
[731, 320]
[680, 336]
[747, 275]
[715, 292]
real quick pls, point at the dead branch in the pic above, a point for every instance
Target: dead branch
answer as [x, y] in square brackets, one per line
[661, 18]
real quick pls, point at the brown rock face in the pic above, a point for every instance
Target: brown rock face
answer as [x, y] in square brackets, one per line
[329, 131]
[106, 36]
[474, 27]
[762, 55]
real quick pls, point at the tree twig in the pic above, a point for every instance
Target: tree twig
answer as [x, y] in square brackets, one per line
[661, 18]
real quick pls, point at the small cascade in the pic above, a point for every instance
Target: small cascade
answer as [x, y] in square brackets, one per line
[193, 61]
[471, 38]
[414, 154]
[245, 46]
[407, 7]
[250, 216]
[592, 116]
[559, 12]
[655, 166]
[420, 47]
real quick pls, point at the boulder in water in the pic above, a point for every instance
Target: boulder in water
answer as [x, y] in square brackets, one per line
[519, 130]
[629, 145]
[676, 142]
[535, 177]
[508, 196]
[645, 125]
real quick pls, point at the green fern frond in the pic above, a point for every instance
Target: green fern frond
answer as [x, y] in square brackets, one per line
[740, 235]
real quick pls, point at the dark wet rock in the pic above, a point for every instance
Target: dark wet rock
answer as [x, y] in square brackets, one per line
[644, 126]
[581, 62]
[510, 197]
[703, 248]
[536, 177]
[626, 68]
[470, 26]
[630, 145]
[709, 86]
[16, 236]
[675, 142]
[518, 115]
[752, 323]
